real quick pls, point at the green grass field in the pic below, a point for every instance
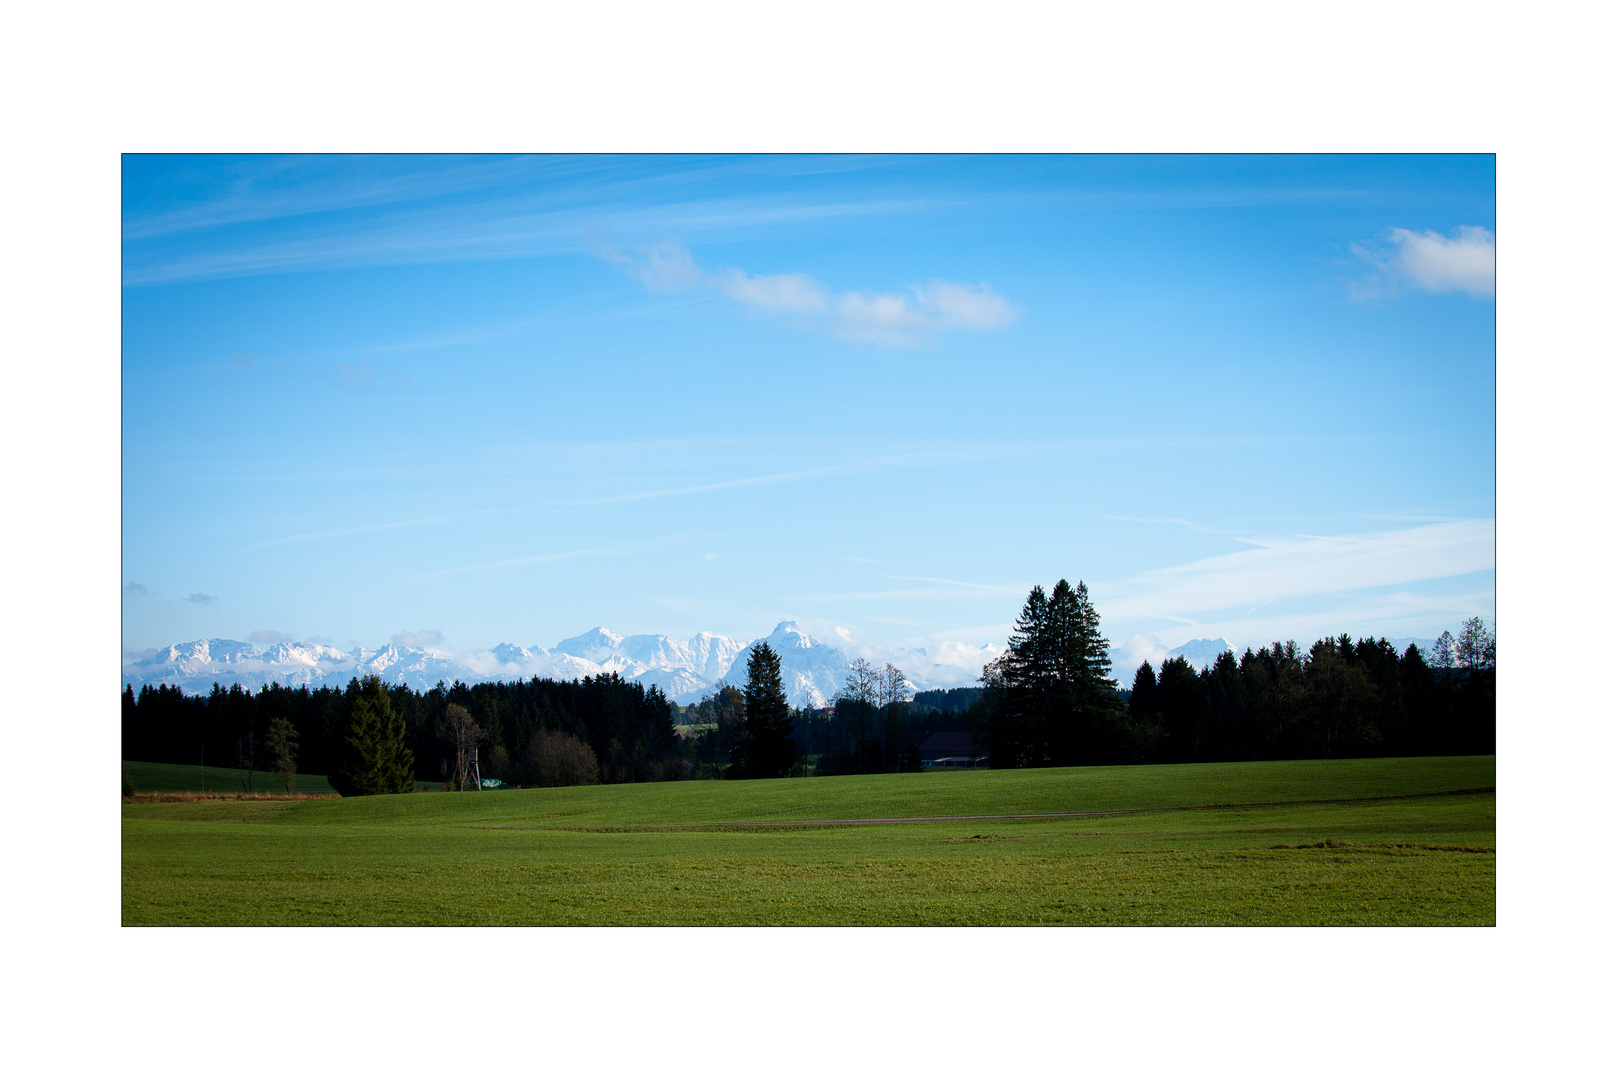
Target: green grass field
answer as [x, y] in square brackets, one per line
[1362, 842]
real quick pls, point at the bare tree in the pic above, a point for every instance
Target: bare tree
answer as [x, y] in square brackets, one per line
[1475, 649]
[862, 689]
[463, 735]
[893, 688]
[282, 744]
[247, 757]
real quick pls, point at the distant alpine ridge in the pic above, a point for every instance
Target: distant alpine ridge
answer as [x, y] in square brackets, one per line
[812, 671]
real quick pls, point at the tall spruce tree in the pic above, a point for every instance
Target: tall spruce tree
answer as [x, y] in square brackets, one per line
[1009, 723]
[371, 756]
[766, 748]
[1051, 698]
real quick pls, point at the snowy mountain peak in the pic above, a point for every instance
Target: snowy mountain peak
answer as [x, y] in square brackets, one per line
[596, 644]
[1202, 652]
[811, 672]
[506, 653]
[788, 635]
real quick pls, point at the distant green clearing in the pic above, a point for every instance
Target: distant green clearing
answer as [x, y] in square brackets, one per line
[1406, 854]
[151, 776]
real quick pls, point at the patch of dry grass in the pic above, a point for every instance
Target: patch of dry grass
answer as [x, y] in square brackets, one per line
[220, 796]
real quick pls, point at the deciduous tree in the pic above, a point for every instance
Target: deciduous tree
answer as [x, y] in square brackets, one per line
[557, 759]
[462, 734]
[1475, 648]
[857, 701]
[282, 744]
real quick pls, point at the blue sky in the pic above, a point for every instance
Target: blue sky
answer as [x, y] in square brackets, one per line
[470, 400]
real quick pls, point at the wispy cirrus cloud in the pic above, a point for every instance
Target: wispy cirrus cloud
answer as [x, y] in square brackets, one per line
[931, 588]
[296, 214]
[300, 537]
[1463, 262]
[1296, 567]
[897, 320]
[928, 458]
[1006, 590]
[547, 557]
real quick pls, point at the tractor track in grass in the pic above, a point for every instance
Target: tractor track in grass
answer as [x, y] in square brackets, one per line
[1004, 817]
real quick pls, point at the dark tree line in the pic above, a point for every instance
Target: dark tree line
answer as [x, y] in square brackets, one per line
[1050, 699]
[1342, 698]
[626, 728]
[956, 700]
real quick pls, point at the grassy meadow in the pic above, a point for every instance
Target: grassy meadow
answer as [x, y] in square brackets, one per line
[1354, 842]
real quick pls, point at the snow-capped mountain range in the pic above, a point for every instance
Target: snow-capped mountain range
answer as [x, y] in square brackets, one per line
[811, 670]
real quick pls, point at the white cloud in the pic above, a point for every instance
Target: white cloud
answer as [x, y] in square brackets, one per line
[771, 294]
[663, 268]
[892, 319]
[939, 662]
[963, 306]
[417, 639]
[1302, 566]
[1137, 650]
[1431, 261]
[881, 318]
[668, 267]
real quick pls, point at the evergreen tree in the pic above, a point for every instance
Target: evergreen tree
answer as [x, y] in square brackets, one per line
[1418, 699]
[766, 748]
[371, 757]
[1143, 696]
[1442, 658]
[1008, 725]
[1341, 703]
[1182, 701]
[1051, 698]
[1094, 728]
[1226, 734]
